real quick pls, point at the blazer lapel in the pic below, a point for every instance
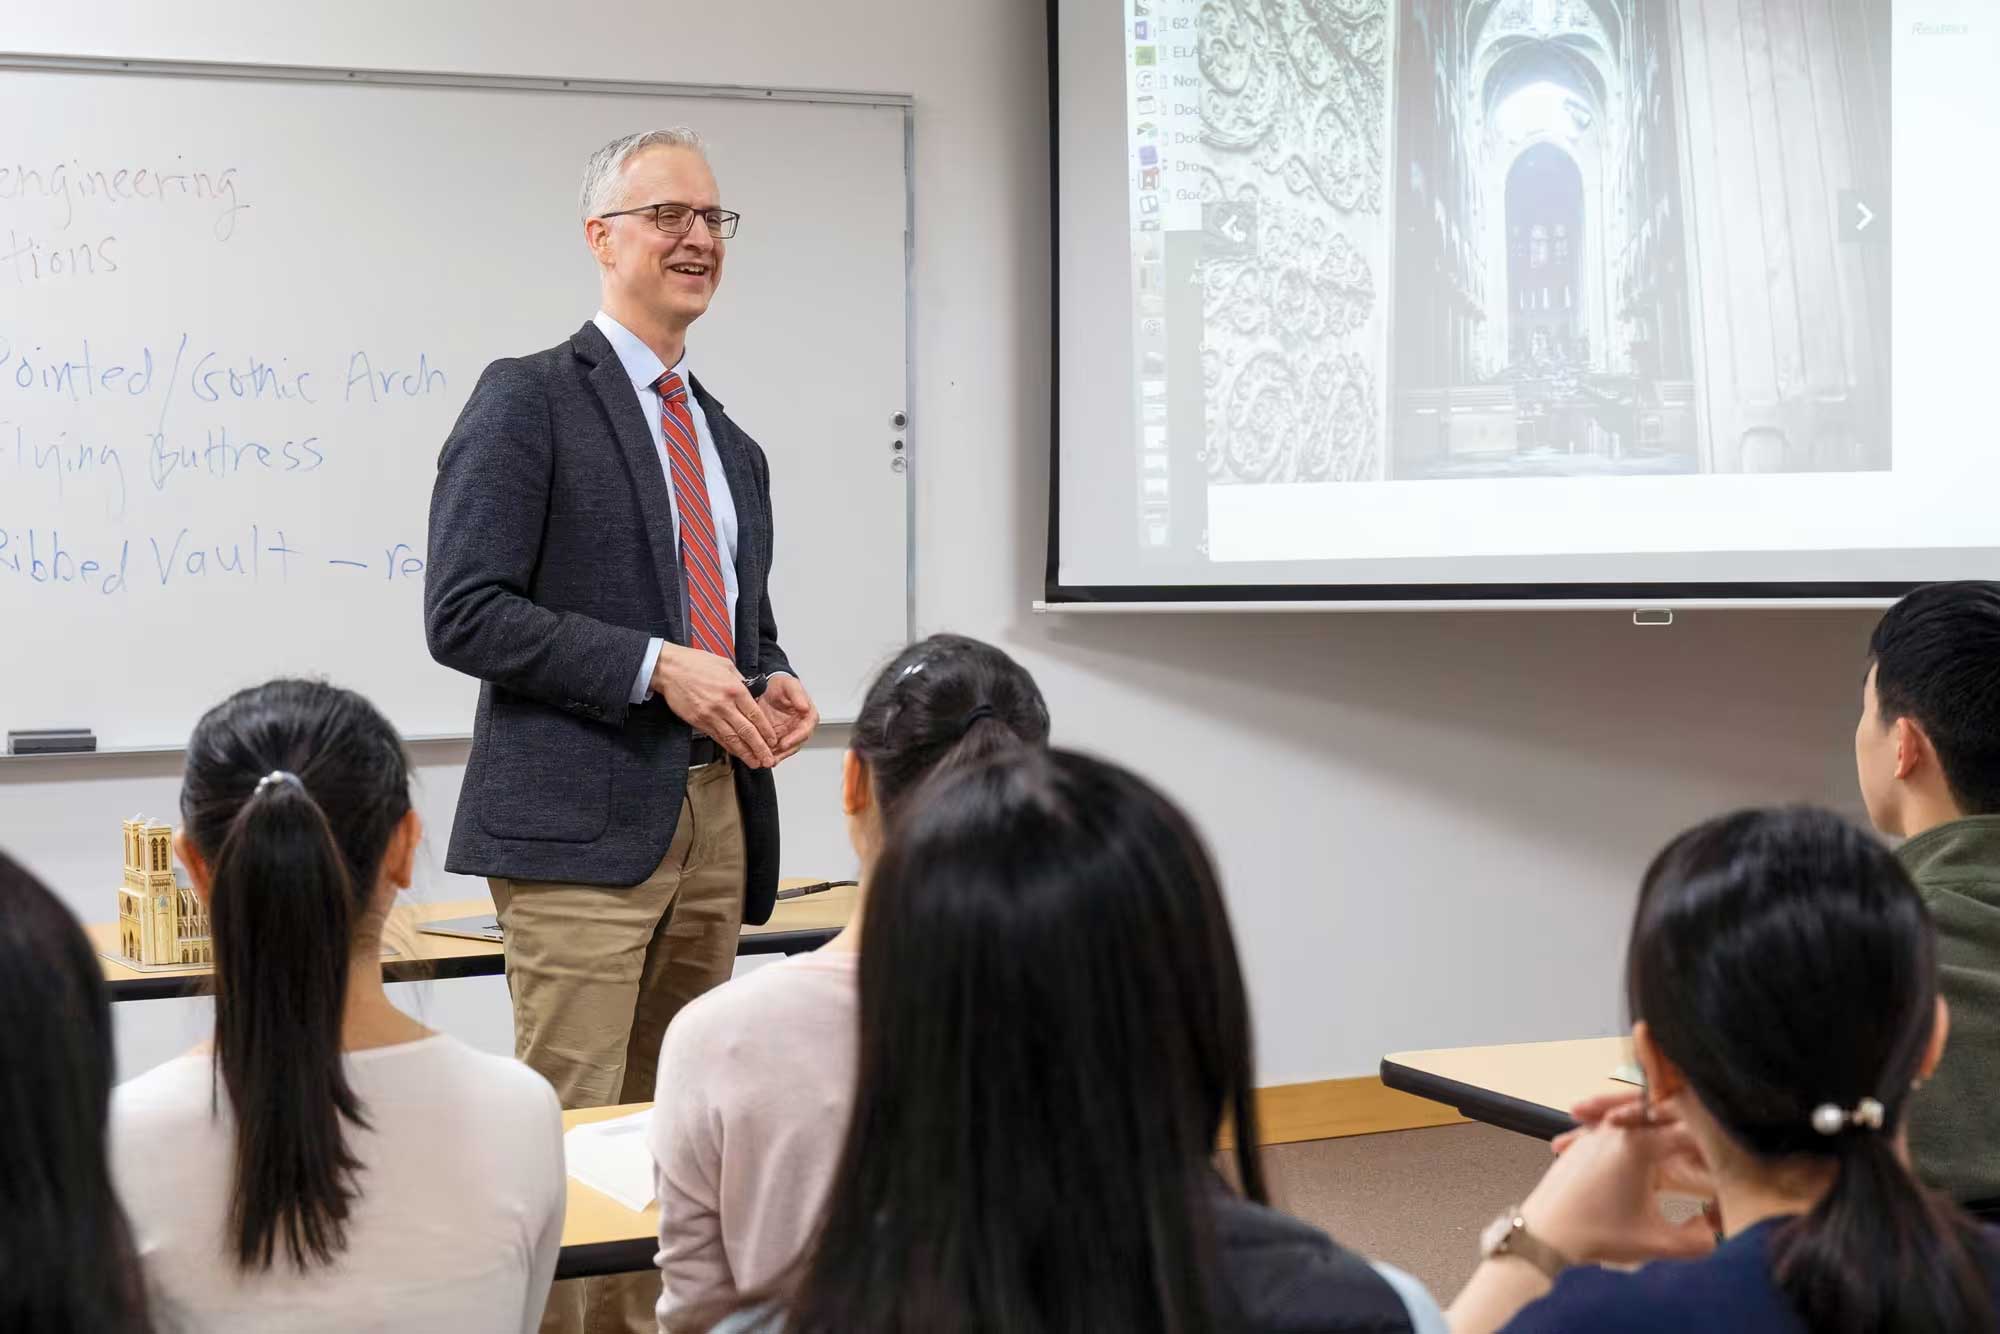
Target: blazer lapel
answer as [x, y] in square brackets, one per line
[751, 537]
[642, 461]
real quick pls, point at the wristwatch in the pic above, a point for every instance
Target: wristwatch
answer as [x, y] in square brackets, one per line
[1508, 1235]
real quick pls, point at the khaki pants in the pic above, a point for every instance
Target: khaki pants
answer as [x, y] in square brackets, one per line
[596, 975]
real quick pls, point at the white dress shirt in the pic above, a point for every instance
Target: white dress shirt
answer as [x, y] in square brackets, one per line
[644, 368]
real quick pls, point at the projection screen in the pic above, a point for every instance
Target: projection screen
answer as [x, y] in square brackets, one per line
[1373, 301]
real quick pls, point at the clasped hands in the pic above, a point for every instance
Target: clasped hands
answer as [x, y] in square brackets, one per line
[1600, 1201]
[706, 691]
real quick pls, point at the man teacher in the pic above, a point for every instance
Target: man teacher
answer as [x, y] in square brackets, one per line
[600, 545]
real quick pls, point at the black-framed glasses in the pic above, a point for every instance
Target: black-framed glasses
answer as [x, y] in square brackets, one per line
[677, 219]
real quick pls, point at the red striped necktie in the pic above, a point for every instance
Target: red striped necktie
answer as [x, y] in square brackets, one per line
[701, 556]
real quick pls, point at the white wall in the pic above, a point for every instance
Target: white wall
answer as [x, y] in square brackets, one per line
[1431, 826]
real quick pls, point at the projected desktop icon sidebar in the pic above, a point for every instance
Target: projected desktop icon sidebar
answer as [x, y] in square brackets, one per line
[1147, 275]
[1163, 114]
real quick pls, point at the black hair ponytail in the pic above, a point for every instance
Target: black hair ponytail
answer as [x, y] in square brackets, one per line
[1881, 1252]
[291, 794]
[1784, 962]
[282, 909]
[942, 704]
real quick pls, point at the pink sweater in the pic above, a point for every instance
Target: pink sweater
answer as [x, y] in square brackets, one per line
[755, 1085]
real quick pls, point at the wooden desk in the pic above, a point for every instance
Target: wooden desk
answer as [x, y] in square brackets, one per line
[796, 925]
[600, 1235]
[1525, 1086]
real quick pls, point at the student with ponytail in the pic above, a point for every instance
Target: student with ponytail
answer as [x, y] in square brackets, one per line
[1782, 978]
[67, 1265]
[756, 1077]
[327, 1163]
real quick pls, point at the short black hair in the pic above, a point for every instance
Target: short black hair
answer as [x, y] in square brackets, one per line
[1937, 661]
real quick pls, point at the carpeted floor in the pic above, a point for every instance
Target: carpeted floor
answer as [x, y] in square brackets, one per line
[1415, 1198]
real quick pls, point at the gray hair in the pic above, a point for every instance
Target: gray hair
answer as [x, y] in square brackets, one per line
[601, 173]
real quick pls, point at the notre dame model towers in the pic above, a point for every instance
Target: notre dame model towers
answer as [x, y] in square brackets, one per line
[160, 921]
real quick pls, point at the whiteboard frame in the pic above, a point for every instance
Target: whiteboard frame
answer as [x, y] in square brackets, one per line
[216, 69]
[340, 74]
[129, 752]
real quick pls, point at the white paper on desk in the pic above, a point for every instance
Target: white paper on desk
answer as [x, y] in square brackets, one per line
[611, 1157]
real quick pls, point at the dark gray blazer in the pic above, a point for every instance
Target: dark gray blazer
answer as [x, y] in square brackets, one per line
[551, 564]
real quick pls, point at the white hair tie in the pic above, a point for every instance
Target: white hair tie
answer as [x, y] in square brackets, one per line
[1830, 1118]
[278, 776]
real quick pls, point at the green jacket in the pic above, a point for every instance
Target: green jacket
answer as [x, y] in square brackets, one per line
[1955, 1118]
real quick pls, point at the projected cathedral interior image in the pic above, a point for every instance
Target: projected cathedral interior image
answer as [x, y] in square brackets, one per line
[1607, 238]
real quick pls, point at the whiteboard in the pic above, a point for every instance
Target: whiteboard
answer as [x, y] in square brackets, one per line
[240, 308]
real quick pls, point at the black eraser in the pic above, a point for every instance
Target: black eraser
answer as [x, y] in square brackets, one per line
[52, 741]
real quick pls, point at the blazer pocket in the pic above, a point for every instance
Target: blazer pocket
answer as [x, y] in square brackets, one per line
[548, 776]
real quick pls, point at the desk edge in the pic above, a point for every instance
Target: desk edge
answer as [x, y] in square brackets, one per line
[590, 1259]
[171, 986]
[1495, 1109]
[798, 940]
